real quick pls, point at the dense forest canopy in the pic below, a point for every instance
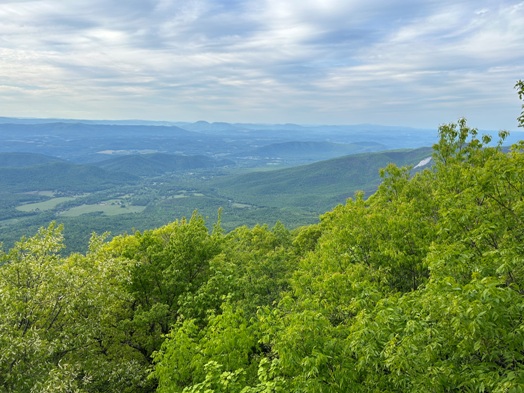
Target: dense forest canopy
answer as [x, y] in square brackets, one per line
[419, 287]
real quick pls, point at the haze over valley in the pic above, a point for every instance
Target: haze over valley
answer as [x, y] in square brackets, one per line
[122, 176]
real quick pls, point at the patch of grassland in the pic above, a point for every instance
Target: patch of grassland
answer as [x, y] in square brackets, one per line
[107, 209]
[241, 205]
[45, 205]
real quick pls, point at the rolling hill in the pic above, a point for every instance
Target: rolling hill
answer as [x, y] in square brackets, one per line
[19, 160]
[313, 150]
[317, 186]
[60, 176]
[155, 164]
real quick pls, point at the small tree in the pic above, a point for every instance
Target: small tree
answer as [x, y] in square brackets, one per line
[520, 89]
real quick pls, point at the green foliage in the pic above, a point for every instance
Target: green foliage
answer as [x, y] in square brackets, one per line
[221, 354]
[419, 287]
[59, 316]
[520, 89]
[218, 328]
[169, 264]
[173, 190]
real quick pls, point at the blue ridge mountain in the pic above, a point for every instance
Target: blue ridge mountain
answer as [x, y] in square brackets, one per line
[23, 172]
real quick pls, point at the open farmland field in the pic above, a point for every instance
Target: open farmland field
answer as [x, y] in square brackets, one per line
[45, 205]
[109, 208]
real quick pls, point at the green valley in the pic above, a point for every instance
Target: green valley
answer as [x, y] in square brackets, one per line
[148, 190]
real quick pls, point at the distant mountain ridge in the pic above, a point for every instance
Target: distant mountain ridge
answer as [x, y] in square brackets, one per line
[32, 171]
[71, 129]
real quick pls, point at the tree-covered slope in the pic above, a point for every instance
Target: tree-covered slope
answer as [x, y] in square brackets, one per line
[314, 149]
[60, 175]
[17, 160]
[327, 182]
[158, 163]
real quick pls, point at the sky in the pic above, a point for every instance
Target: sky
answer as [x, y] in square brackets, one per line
[416, 63]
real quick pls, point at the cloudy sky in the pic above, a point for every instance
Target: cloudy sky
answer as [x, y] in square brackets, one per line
[394, 62]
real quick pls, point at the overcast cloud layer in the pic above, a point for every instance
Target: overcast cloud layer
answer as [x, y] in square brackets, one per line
[397, 62]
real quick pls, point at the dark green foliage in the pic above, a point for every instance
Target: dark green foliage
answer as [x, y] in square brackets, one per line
[520, 89]
[61, 176]
[169, 265]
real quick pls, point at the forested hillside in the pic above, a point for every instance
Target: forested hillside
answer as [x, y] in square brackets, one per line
[417, 288]
[144, 191]
[333, 180]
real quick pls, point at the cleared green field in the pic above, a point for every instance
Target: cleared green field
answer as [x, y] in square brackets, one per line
[41, 206]
[106, 209]
[241, 205]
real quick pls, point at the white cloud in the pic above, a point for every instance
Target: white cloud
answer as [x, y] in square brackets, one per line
[408, 61]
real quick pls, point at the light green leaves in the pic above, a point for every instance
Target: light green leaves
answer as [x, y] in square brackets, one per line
[520, 89]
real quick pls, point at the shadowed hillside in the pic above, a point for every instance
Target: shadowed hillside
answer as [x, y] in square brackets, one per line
[62, 176]
[319, 185]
